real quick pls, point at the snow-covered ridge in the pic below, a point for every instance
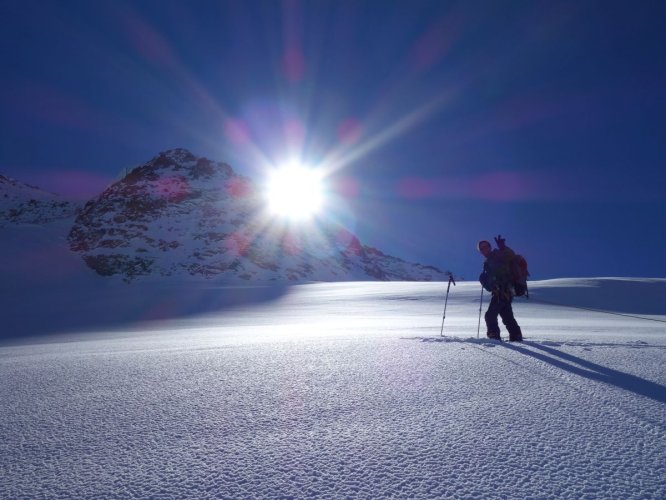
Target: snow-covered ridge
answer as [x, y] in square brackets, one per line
[22, 203]
[182, 215]
[617, 294]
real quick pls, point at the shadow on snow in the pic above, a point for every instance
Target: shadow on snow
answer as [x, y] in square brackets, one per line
[28, 312]
[546, 351]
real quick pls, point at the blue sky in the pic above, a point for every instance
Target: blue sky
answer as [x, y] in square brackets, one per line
[442, 123]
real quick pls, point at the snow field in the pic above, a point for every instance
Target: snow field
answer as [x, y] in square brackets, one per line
[340, 390]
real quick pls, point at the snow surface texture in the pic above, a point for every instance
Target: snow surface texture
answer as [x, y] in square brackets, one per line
[339, 390]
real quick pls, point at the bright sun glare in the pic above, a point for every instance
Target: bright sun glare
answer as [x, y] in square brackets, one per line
[295, 191]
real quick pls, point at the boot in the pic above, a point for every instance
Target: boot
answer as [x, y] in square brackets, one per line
[515, 334]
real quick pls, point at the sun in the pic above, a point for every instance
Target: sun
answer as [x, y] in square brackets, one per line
[295, 191]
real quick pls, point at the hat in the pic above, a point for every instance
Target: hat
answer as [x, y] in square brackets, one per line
[481, 242]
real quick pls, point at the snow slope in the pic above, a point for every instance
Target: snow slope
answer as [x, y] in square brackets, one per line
[333, 390]
[201, 389]
[22, 203]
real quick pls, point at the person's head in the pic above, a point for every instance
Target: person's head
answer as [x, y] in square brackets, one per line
[484, 247]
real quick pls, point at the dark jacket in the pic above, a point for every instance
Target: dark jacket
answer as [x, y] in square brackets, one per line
[497, 270]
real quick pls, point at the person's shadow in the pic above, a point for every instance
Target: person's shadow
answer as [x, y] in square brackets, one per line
[592, 371]
[574, 364]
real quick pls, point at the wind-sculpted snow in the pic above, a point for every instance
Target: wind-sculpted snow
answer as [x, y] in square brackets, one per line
[342, 390]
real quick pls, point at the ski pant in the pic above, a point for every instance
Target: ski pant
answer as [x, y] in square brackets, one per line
[501, 305]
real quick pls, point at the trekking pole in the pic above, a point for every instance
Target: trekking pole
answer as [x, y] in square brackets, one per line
[441, 333]
[478, 328]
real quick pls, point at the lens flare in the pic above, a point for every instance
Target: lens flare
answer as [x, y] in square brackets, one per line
[295, 191]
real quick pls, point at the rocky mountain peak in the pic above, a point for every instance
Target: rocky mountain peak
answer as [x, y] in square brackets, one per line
[183, 215]
[179, 214]
[178, 163]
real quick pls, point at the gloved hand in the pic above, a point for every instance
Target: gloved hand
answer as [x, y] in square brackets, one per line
[501, 242]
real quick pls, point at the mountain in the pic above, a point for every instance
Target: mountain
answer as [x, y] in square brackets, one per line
[22, 203]
[181, 215]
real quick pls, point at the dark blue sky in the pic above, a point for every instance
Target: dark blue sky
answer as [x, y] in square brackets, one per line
[447, 122]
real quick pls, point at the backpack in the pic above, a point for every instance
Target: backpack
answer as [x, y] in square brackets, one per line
[519, 274]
